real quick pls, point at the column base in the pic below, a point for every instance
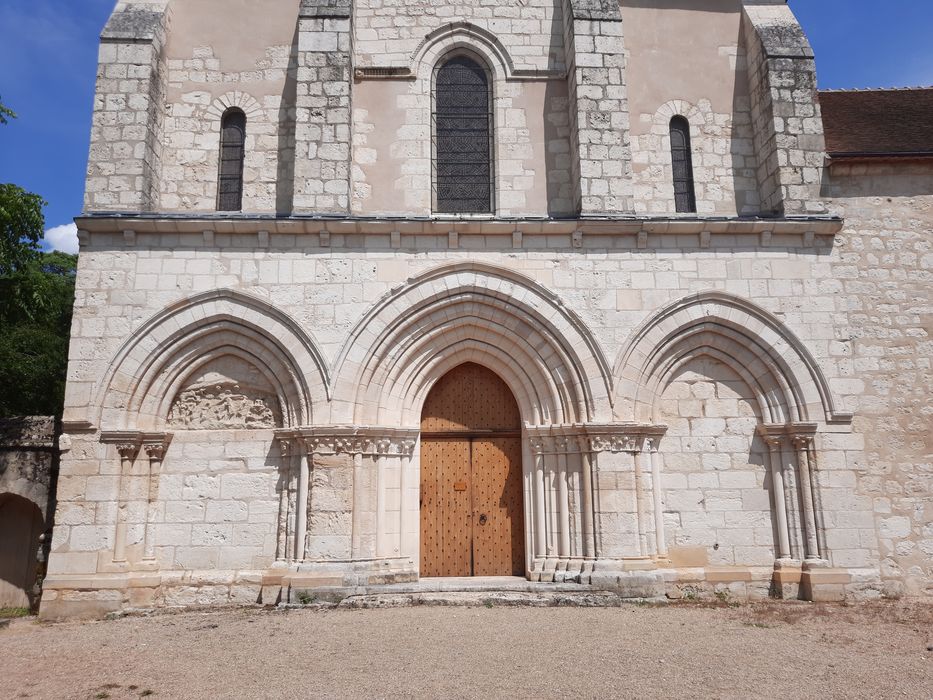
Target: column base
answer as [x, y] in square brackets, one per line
[785, 582]
[821, 584]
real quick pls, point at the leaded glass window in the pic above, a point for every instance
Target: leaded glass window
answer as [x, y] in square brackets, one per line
[684, 194]
[463, 177]
[232, 148]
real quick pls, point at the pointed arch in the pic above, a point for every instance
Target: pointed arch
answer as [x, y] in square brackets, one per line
[173, 345]
[785, 378]
[471, 312]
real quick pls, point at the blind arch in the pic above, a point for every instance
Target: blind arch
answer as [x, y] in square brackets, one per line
[232, 154]
[682, 161]
[462, 120]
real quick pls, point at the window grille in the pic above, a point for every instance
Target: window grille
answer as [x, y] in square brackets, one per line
[463, 176]
[232, 148]
[684, 193]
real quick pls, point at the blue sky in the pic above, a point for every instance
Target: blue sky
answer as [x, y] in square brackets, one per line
[48, 53]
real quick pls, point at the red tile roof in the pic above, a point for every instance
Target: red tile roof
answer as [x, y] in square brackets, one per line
[878, 123]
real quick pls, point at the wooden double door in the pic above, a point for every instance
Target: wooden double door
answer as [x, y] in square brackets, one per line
[472, 512]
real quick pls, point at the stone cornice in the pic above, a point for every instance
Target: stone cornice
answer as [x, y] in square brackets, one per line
[130, 230]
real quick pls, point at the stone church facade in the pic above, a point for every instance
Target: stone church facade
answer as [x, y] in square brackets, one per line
[576, 290]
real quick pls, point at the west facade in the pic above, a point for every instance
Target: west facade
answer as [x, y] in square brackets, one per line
[379, 291]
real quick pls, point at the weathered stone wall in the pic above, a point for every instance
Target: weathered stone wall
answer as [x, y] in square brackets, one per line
[717, 490]
[28, 458]
[28, 471]
[710, 89]
[785, 111]
[389, 32]
[881, 280]
[125, 160]
[610, 282]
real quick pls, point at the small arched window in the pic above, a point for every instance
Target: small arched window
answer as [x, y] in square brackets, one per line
[684, 193]
[232, 149]
[463, 174]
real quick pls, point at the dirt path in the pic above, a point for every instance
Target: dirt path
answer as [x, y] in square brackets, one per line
[775, 650]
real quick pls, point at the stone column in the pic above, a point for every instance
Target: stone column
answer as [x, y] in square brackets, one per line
[381, 458]
[323, 107]
[658, 498]
[156, 454]
[286, 451]
[777, 490]
[640, 514]
[599, 116]
[586, 466]
[405, 510]
[128, 452]
[808, 511]
[305, 465]
[359, 503]
[563, 505]
[540, 525]
[814, 467]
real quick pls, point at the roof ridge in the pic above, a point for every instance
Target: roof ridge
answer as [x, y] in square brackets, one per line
[878, 89]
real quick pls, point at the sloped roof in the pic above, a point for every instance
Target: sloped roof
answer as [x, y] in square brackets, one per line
[878, 123]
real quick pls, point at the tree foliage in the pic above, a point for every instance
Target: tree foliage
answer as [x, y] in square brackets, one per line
[6, 114]
[36, 299]
[35, 320]
[22, 226]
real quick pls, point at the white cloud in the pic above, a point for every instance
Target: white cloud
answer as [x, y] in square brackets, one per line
[63, 238]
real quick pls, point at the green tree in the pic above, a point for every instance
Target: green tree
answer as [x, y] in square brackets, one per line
[35, 321]
[36, 299]
[6, 113]
[22, 224]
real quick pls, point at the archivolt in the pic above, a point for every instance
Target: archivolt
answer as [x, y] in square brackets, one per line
[471, 312]
[773, 362]
[462, 35]
[149, 368]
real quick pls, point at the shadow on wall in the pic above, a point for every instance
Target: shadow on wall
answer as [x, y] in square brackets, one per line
[285, 177]
[21, 530]
[558, 151]
[742, 147]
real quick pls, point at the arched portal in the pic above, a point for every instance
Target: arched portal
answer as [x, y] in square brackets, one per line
[472, 513]
[21, 525]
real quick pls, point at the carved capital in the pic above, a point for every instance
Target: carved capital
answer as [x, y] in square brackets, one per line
[156, 451]
[127, 450]
[802, 442]
[393, 442]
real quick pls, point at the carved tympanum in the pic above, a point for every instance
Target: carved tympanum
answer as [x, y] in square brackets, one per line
[229, 394]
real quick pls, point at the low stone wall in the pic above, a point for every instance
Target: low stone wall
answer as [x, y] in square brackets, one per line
[28, 458]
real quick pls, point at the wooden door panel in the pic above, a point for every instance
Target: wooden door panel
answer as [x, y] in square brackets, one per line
[499, 537]
[446, 537]
[458, 521]
[469, 468]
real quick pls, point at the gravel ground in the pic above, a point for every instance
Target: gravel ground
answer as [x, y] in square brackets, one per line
[776, 650]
